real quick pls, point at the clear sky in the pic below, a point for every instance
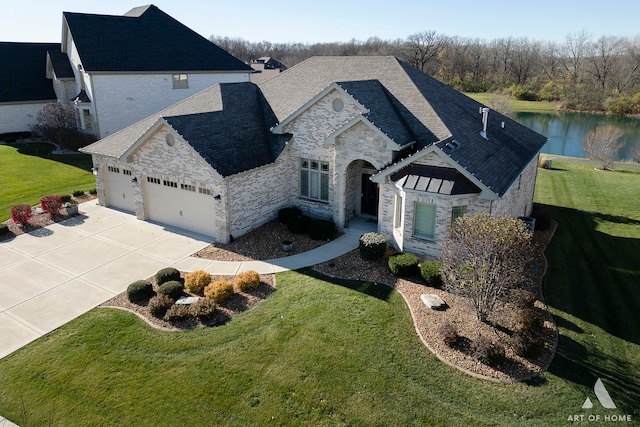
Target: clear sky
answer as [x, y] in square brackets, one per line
[310, 21]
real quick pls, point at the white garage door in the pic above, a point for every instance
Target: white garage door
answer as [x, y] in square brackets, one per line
[180, 205]
[119, 189]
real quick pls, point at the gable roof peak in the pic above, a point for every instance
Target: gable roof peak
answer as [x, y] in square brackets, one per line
[136, 12]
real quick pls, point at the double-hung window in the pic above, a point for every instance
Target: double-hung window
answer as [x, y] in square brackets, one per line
[314, 179]
[457, 212]
[424, 220]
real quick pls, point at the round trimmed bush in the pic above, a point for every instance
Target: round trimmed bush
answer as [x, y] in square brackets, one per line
[247, 279]
[173, 289]
[139, 290]
[403, 265]
[4, 228]
[321, 229]
[298, 224]
[285, 213]
[66, 198]
[373, 245]
[158, 305]
[197, 280]
[166, 275]
[219, 290]
[78, 193]
[430, 272]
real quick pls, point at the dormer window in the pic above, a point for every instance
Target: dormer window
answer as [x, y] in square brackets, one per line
[180, 81]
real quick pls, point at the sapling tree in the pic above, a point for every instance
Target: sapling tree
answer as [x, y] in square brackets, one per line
[602, 144]
[486, 257]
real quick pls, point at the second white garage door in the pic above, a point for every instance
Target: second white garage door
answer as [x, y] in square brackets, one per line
[119, 189]
[180, 205]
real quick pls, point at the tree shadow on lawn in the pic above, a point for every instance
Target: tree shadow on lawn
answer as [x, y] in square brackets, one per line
[592, 275]
[376, 290]
[44, 151]
[575, 363]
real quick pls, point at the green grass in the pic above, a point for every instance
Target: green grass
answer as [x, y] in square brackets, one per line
[329, 352]
[516, 105]
[29, 172]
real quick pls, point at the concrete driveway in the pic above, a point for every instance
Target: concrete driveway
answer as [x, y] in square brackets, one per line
[54, 274]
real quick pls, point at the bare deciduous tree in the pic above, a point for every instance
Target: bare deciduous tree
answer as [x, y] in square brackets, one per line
[55, 119]
[602, 144]
[423, 47]
[485, 257]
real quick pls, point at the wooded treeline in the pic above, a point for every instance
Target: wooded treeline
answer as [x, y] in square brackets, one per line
[581, 73]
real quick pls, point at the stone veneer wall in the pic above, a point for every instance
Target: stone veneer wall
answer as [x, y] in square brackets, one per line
[518, 200]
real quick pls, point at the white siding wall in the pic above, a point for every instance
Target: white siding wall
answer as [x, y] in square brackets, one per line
[19, 117]
[123, 99]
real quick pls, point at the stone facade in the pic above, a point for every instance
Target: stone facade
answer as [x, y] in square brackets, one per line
[518, 200]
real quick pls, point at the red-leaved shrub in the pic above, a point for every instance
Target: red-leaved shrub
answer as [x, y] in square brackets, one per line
[51, 204]
[21, 214]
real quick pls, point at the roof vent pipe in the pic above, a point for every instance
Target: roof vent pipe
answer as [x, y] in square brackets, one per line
[485, 120]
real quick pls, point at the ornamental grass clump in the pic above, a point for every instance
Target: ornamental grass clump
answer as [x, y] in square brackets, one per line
[247, 280]
[158, 305]
[197, 280]
[373, 245]
[204, 308]
[219, 291]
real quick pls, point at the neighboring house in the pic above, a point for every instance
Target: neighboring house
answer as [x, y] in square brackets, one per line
[265, 68]
[338, 137]
[24, 88]
[128, 67]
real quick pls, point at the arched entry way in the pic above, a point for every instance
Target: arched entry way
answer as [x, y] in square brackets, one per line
[361, 195]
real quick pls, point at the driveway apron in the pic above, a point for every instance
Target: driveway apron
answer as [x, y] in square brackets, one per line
[54, 274]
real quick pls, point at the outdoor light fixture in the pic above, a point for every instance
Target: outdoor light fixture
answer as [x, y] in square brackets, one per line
[94, 170]
[217, 197]
[134, 180]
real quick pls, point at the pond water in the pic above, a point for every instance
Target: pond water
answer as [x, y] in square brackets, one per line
[566, 130]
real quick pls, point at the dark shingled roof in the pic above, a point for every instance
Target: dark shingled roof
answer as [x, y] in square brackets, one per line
[386, 112]
[61, 65]
[238, 138]
[443, 113]
[433, 179]
[23, 72]
[145, 39]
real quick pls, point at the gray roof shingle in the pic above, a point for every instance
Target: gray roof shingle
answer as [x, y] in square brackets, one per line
[145, 39]
[23, 72]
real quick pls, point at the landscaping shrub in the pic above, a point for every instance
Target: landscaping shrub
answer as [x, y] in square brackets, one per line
[4, 229]
[526, 344]
[158, 305]
[522, 298]
[177, 312]
[486, 350]
[173, 289]
[247, 279]
[166, 275]
[285, 213]
[430, 272]
[21, 214]
[373, 245]
[93, 191]
[51, 204]
[204, 308]
[529, 321]
[139, 290]
[78, 193]
[403, 265]
[448, 332]
[298, 224]
[66, 198]
[219, 290]
[197, 280]
[321, 229]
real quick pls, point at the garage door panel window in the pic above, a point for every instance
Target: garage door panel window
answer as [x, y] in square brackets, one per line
[171, 184]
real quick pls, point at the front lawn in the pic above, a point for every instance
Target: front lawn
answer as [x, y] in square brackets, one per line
[325, 352]
[29, 171]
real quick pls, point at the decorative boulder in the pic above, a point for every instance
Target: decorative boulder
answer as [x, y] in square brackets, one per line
[433, 301]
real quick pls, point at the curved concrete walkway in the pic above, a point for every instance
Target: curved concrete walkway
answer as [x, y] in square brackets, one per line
[55, 274]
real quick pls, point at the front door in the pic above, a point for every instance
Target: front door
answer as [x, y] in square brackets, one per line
[369, 202]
